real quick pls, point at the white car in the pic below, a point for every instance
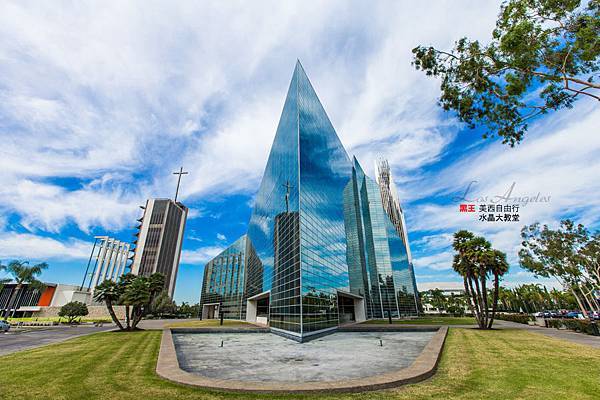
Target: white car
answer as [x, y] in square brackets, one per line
[4, 326]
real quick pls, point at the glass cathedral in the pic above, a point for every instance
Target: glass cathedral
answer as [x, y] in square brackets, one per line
[321, 248]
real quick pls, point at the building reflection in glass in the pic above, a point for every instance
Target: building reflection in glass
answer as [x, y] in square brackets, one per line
[320, 241]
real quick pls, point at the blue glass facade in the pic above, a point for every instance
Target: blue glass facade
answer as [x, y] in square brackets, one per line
[313, 232]
[376, 255]
[231, 277]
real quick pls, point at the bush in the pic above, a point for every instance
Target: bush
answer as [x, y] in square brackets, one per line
[554, 323]
[73, 310]
[577, 325]
[518, 318]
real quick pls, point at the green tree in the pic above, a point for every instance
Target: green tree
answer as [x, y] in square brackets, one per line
[543, 56]
[136, 295]
[476, 261]
[73, 310]
[565, 254]
[437, 299]
[23, 274]
[109, 292]
[189, 310]
[496, 264]
[163, 304]
[124, 281]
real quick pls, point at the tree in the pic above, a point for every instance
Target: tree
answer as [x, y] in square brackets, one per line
[189, 310]
[133, 292]
[156, 283]
[542, 57]
[496, 263]
[23, 274]
[109, 292]
[437, 299]
[475, 261]
[136, 295]
[72, 310]
[567, 254]
[163, 304]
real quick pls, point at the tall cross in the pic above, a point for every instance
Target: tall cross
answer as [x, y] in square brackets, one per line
[181, 172]
[287, 187]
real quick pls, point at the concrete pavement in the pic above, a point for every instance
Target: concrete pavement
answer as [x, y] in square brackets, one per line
[25, 339]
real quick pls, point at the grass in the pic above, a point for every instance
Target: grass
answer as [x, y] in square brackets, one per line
[427, 321]
[500, 364]
[53, 319]
[207, 323]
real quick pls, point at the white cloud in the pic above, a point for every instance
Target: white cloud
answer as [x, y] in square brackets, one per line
[137, 90]
[558, 159]
[437, 262]
[201, 255]
[32, 247]
[220, 236]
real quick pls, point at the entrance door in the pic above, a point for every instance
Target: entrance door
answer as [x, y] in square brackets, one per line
[346, 309]
[351, 307]
[257, 308]
[210, 311]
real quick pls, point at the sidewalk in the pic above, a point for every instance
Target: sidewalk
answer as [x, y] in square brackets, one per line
[570, 336]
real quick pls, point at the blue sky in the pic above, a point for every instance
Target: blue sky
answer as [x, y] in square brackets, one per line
[99, 105]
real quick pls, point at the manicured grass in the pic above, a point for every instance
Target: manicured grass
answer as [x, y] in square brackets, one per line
[427, 321]
[52, 319]
[501, 364]
[207, 323]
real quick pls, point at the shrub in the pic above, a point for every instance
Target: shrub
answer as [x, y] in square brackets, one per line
[554, 323]
[73, 310]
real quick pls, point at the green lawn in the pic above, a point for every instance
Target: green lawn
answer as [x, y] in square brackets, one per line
[502, 364]
[427, 321]
[52, 319]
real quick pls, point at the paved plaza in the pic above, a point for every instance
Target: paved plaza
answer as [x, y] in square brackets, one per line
[270, 358]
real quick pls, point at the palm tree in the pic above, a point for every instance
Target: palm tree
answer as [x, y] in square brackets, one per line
[475, 261]
[109, 292]
[124, 281]
[156, 283]
[499, 266]
[23, 274]
[136, 295]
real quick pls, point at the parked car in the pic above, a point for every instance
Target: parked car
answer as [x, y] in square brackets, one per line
[4, 326]
[574, 314]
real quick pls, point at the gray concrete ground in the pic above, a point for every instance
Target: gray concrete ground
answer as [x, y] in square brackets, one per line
[24, 339]
[563, 334]
[260, 357]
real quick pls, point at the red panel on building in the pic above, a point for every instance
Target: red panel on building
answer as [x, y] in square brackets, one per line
[46, 297]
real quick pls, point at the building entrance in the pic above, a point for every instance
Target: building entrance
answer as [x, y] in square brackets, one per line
[210, 311]
[350, 307]
[257, 308]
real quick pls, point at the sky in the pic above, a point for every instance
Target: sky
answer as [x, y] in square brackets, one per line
[100, 104]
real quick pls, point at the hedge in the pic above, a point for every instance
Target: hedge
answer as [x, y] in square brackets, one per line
[577, 325]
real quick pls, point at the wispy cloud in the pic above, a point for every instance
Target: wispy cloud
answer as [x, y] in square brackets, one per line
[32, 247]
[200, 255]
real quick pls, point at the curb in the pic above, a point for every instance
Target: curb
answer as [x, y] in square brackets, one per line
[424, 366]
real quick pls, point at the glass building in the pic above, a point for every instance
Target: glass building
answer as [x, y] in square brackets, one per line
[226, 287]
[317, 260]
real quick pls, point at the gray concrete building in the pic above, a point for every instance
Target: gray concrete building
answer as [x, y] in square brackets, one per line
[159, 239]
